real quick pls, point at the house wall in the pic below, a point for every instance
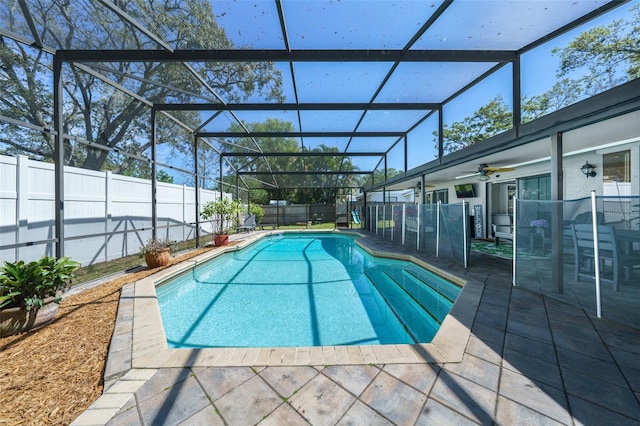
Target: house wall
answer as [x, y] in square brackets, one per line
[575, 184]
[396, 196]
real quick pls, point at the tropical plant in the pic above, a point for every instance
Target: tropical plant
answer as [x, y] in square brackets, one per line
[221, 213]
[27, 285]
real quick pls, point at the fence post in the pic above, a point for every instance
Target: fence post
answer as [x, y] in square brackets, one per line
[465, 224]
[596, 252]
[438, 229]
[107, 213]
[514, 243]
[404, 221]
[418, 213]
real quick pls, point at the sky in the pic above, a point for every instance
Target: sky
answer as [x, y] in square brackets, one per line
[374, 24]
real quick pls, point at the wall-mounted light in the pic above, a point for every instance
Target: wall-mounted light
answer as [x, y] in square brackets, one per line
[419, 186]
[588, 170]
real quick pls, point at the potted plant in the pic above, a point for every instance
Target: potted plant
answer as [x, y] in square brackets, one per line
[30, 292]
[539, 225]
[221, 213]
[157, 252]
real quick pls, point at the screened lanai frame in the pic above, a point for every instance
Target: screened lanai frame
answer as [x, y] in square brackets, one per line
[400, 55]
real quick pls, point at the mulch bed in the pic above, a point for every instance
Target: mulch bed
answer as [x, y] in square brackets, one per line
[50, 376]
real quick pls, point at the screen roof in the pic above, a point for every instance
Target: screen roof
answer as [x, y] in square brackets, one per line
[355, 77]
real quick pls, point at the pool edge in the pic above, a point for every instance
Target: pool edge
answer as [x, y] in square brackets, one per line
[150, 350]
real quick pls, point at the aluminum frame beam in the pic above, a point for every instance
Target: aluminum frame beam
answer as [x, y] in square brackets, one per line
[299, 134]
[304, 55]
[281, 173]
[302, 154]
[426, 106]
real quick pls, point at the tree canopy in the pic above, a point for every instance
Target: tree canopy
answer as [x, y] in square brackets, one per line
[99, 113]
[596, 60]
[309, 181]
[610, 54]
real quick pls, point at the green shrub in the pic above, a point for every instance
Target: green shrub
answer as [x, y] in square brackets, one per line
[26, 285]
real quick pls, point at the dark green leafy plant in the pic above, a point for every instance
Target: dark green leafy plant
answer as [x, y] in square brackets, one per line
[26, 285]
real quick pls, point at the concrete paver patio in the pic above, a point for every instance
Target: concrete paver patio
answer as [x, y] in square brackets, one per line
[528, 359]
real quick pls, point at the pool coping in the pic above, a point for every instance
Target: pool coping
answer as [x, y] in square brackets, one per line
[149, 348]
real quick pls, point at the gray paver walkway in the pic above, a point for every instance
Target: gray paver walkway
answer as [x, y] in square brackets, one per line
[530, 359]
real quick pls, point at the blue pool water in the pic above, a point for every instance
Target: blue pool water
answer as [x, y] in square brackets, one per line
[303, 290]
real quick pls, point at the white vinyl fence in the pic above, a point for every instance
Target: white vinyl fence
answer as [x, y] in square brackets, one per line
[106, 216]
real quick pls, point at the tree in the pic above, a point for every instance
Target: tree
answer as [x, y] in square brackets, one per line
[495, 117]
[316, 186]
[603, 51]
[489, 120]
[252, 161]
[563, 93]
[163, 176]
[323, 185]
[378, 175]
[98, 112]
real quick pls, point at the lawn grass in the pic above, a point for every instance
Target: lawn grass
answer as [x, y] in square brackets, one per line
[103, 269]
[327, 225]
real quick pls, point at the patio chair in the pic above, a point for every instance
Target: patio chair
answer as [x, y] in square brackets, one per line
[609, 253]
[502, 228]
[248, 225]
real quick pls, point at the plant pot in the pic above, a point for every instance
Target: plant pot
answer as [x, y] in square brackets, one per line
[159, 258]
[17, 320]
[220, 240]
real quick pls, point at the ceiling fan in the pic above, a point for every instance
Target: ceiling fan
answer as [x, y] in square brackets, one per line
[419, 186]
[486, 171]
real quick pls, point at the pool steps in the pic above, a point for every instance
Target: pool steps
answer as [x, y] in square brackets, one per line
[438, 284]
[422, 292]
[420, 325]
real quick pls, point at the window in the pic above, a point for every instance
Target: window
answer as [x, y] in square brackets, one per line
[616, 173]
[616, 167]
[433, 197]
[535, 188]
[441, 195]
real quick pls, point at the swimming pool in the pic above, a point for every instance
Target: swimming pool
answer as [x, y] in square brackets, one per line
[303, 290]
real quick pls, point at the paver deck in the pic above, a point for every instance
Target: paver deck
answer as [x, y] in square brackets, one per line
[526, 359]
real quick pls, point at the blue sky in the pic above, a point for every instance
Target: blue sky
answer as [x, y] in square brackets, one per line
[357, 24]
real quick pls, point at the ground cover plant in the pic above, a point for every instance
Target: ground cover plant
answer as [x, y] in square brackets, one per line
[51, 375]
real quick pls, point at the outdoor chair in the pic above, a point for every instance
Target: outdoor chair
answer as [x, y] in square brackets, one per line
[502, 228]
[609, 253]
[248, 225]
